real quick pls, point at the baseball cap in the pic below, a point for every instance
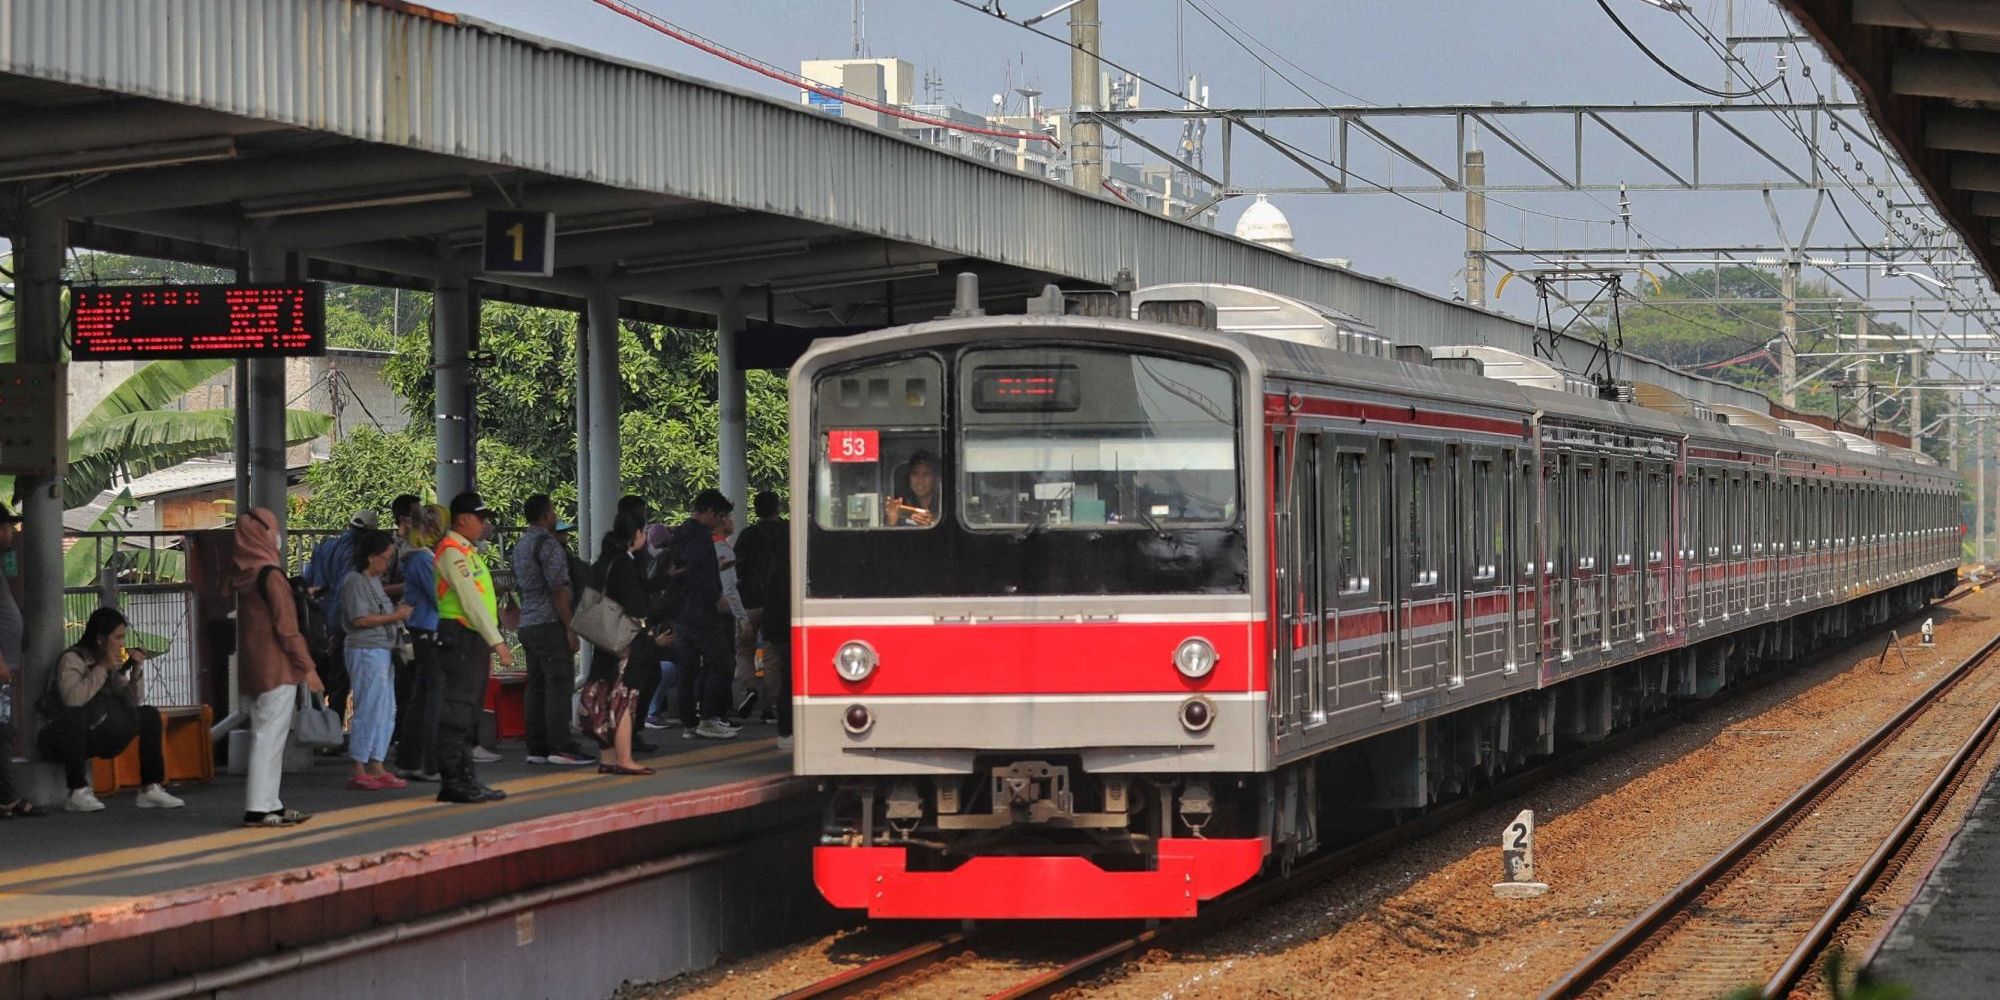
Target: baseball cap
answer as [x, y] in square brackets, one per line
[364, 519]
[565, 527]
[469, 503]
[7, 515]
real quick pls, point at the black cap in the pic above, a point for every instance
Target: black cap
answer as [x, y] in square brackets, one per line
[7, 515]
[469, 503]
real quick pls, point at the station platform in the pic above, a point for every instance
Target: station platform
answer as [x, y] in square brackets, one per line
[1946, 942]
[98, 902]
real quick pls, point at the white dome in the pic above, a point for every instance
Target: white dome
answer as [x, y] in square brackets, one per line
[1263, 223]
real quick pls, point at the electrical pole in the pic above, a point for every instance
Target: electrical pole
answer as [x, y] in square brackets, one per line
[1788, 328]
[1863, 376]
[1475, 223]
[1979, 457]
[1086, 138]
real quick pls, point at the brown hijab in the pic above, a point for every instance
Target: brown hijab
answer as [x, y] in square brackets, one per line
[256, 547]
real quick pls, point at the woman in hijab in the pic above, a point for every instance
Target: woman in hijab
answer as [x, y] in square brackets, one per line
[272, 660]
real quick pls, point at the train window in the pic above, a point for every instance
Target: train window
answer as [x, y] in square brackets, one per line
[1624, 519]
[1654, 542]
[1583, 525]
[877, 459]
[1485, 527]
[1418, 528]
[1348, 468]
[1071, 438]
[1520, 493]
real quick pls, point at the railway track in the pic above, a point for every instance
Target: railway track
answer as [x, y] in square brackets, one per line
[1761, 911]
[916, 964]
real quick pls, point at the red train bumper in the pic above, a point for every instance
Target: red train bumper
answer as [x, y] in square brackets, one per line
[998, 888]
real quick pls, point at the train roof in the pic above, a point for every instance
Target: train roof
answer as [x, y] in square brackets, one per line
[1291, 338]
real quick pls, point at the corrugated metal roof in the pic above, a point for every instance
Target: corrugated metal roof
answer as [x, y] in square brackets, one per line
[471, 89]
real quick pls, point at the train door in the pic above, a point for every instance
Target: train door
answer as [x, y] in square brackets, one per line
[1357, 584]
[1555, 564]
[1715, 545]
[1299, 599]
[1655, 585]
[1483, 600]
[1587, 591]
[1395, 572]
[1689, 550]
[1426, 612]
[1525, 563]
[1621, 530]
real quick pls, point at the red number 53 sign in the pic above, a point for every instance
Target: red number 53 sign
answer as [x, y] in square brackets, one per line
[853, 446]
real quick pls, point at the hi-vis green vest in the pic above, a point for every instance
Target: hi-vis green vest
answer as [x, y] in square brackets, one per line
[482, 580]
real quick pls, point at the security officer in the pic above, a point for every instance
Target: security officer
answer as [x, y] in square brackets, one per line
[468, 636]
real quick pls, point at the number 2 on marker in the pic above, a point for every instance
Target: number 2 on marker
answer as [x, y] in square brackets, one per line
[1519, 833]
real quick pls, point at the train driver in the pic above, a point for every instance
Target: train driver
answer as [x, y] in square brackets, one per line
[918, 506]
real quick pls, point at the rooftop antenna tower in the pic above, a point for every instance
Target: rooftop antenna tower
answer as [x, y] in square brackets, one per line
[859, 28]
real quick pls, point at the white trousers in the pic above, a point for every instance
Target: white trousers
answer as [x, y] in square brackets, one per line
[270, 731]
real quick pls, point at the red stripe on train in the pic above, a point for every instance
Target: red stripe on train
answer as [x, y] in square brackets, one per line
[1006, 658]
[1276, 404]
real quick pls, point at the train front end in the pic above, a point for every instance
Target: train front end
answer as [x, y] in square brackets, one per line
[1027, 655]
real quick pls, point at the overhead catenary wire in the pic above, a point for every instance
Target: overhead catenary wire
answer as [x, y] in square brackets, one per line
[1663, 64]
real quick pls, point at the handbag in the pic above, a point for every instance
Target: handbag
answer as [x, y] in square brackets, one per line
[602, 622]
[314, 725]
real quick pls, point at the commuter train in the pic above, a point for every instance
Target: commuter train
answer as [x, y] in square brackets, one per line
[1192, 593]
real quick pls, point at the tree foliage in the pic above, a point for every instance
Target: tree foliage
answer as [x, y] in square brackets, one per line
[524, 388]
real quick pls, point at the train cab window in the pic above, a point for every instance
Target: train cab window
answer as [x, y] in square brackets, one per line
[877, 460]
[1421, 523]
[1064, 438]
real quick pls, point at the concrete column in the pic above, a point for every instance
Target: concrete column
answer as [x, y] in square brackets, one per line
[1475, 226]
[1788, 326]
[733, 443]
[606, 483]
[451, 346]
[38, 315]
[585, 530]
[266, 406]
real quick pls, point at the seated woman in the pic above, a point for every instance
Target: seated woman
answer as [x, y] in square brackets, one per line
[919, 505]
[100, 685]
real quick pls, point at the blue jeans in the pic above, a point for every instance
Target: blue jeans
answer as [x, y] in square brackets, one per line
[374, 705]
[669, 680]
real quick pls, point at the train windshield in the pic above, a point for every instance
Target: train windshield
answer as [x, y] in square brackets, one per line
[1015, 471]
[1059, 438]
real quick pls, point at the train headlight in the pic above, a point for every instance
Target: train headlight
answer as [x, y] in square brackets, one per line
[1194, 658]
[855, 660]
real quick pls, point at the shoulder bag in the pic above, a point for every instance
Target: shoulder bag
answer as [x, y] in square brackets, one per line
[600, 621]
[314, 725]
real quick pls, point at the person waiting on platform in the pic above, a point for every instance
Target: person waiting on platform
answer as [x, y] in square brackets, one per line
[373, 625]
[917, 507]
[97, 713]
[272, 663]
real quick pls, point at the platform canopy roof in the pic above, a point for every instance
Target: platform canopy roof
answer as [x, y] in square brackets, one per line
[1929, 72]
[371, 136]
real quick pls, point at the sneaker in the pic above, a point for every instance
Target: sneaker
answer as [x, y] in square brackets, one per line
[82, 800]
[481, 755]
[568, 759]
[155, 797]
[713, 730]
[784, 743]
[661, 722]
[535, 758]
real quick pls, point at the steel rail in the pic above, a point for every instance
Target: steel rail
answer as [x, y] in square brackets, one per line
[865, 979]
[1601, 964]
[1904, 836]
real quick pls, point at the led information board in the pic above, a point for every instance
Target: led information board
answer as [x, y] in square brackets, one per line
[116, 322]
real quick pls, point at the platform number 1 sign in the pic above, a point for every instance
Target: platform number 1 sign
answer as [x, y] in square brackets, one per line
[520, 243]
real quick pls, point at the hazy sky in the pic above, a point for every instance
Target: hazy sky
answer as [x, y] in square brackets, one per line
[1414, 52]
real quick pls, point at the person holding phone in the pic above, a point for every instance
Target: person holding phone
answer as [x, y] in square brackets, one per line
[96, 698]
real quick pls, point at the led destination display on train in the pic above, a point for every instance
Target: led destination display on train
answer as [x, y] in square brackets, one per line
[116, 322]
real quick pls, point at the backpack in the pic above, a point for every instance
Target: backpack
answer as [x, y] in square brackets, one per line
[580, 573]
[311, 617]
[665, 579]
